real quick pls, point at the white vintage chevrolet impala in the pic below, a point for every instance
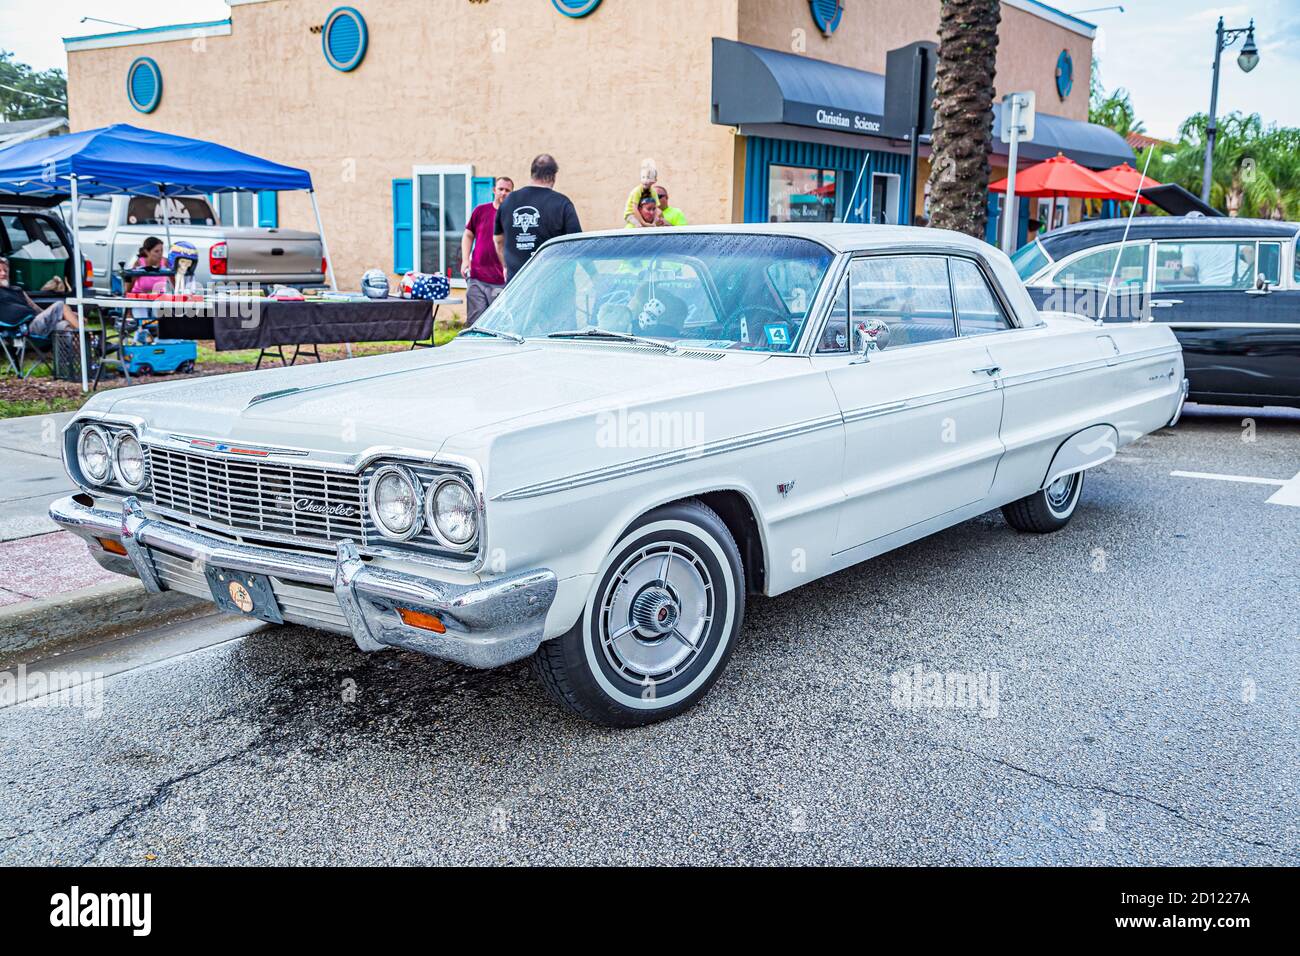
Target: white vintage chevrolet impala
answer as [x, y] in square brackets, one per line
[644, 428]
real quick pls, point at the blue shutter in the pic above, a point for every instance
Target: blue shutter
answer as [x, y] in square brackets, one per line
[268, 209]
[1022, 224]
[403, 233]
[993, 227]
[482, 190]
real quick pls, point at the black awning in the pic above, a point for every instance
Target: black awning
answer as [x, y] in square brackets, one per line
[1088, 144]
[753, 86]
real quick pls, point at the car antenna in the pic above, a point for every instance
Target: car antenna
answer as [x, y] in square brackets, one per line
[1119, 256]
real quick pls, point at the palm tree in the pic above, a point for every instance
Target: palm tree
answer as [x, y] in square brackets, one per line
[1115, 111]
[963, 114]
[1256, 168]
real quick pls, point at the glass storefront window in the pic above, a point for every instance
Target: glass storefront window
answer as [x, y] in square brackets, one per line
[444, 200]
[803, 194]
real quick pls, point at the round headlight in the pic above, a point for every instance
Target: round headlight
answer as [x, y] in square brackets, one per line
[395, 502]
[128, 461]
[93, 455]
[452, 513]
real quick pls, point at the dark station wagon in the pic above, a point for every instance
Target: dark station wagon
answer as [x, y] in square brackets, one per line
[1229, 288]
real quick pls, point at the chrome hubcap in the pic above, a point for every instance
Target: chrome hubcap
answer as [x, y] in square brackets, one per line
[1059, 491]
[655, 616]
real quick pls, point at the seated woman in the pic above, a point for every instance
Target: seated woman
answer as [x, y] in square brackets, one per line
[149, 256]
[16, 306]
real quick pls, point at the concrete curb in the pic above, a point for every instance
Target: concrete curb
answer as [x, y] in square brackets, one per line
[87, 615]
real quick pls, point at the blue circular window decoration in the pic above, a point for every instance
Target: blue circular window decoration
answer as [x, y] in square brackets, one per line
[344, 38]
[575, 8]
[1064, 74]
[144, 84]
[827, 14]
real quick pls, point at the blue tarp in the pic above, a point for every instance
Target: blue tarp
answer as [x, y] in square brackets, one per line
[127, 159]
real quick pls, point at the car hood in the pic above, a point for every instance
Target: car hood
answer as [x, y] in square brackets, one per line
[411, 399]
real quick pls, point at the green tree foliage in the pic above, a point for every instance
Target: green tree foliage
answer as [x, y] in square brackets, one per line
[1256, 165]
[30, 94]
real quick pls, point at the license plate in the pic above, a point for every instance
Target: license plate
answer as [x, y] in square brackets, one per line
[242, 593]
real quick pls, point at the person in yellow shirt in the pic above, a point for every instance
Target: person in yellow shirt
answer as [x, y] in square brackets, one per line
[649, 175]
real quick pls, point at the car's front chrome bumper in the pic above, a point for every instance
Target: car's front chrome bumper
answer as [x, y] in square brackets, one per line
[487, 623]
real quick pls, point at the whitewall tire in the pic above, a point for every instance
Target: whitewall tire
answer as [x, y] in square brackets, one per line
[1049, 509]
[659, 625]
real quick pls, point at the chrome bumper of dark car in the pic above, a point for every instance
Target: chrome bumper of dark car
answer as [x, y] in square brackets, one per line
[487, 624]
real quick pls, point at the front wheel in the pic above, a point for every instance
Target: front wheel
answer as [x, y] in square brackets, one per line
[1047, 510]
[659, 625]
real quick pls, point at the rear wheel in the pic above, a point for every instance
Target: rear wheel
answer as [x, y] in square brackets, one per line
[1047, 510]
[658, 627]
[185, 367]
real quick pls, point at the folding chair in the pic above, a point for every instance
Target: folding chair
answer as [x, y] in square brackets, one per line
[42, 346]
[13, 342]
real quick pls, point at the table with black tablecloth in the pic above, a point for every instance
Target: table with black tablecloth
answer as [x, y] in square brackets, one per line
[263, 324]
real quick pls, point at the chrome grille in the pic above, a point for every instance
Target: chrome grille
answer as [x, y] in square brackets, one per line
[258, 496]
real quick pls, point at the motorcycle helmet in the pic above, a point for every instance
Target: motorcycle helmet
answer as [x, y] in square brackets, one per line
[374, 284]
[181, 249]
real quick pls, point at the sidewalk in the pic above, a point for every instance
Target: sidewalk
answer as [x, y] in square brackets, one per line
[51, 589]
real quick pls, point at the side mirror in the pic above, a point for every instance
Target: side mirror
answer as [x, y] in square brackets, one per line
[869, 335]
[1261, 283]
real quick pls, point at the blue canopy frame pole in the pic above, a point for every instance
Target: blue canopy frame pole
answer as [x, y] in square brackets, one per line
[78, 286]
[324, 246]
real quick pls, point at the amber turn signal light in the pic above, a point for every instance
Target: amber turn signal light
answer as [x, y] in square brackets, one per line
[112, 545]
[426, 622]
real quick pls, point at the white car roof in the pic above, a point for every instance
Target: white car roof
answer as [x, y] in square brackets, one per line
[840, 236]
[843, 237]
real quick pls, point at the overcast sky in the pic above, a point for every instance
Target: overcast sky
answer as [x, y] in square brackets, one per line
[1160, 50]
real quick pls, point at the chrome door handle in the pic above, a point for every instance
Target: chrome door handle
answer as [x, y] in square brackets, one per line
[1165, 303]
[989, 369]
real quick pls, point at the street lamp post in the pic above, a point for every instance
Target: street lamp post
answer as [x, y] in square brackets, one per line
[1247, 59]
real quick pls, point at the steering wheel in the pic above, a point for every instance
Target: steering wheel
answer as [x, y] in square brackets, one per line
[755, 317]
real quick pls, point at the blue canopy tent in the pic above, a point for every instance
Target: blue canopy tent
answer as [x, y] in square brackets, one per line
[127, 160]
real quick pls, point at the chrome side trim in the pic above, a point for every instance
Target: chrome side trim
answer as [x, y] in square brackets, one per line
[1027, 378]
[664, 460]
[1288, 326]
[872, 411]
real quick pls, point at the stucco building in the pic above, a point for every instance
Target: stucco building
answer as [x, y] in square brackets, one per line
[403, 110]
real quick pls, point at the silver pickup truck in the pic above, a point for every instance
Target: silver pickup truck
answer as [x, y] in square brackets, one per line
[113, 228]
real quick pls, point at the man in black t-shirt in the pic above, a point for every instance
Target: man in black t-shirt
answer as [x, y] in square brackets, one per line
[529, 216]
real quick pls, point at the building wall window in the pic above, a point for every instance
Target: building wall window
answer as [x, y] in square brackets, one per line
[247, 208]
[803, 194]
[793, 181]
[442, 207]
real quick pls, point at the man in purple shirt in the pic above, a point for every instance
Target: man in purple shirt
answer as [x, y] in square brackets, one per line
[485, 277]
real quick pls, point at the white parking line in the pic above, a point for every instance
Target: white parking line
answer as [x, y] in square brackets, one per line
[1288, 489]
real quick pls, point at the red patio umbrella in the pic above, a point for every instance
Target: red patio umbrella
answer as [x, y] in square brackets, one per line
[1124, 177]
[1061, 176]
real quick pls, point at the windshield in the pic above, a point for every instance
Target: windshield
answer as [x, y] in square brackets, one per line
[705, 290]
[1029, 259]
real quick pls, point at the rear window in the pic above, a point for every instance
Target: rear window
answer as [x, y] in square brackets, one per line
[180, 210]
[1029, 260]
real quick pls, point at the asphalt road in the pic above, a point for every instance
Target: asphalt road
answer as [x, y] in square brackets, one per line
[1147, 661]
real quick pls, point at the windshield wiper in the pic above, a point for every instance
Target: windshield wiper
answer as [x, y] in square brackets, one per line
[509, 336]
[610, 334]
